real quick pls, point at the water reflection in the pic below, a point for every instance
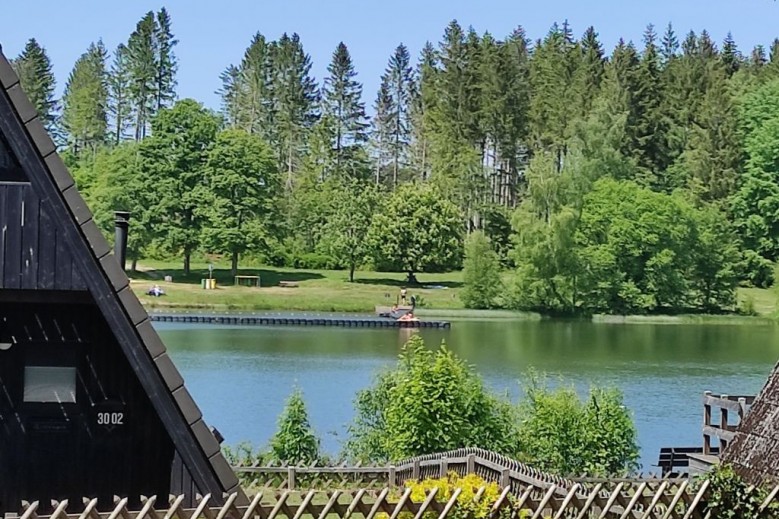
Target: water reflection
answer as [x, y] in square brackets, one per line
[241, 376]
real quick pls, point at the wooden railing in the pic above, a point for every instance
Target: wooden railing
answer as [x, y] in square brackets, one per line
[490, 466]
[729, 407]
[625, 500]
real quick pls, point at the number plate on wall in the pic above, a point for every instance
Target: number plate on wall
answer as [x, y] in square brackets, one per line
[109, 415]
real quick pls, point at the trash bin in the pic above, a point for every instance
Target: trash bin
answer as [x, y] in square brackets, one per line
[203, 283]
[212, 284]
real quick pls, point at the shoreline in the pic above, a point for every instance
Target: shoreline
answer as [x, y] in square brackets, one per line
[477, 315]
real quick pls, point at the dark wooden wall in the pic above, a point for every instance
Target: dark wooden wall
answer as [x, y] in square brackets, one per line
[55, 451]
[32, 252]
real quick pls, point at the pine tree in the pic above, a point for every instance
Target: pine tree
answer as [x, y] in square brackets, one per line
[399, 78]
[730, 57]
[35, 75]
[591, 70]
[625, 68]
[552, 73]
[670, 49]
[342, 102]
[142, 68]
[84, 115]
[119, 100]
[650, 130]
[713, 158]
[256, 99]
[457, 141]
[423, 99]
[296, 99]
[758, 58]
[166, 64]
[514, 72]
[382, 126]
[229, 93]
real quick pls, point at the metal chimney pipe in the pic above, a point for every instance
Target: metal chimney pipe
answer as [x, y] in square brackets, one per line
[122, 224]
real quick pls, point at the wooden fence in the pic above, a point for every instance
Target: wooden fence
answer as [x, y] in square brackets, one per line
[623, 502]
[492, 467]
[731, 409]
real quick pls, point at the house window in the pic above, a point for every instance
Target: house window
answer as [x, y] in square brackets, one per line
[10, 169]
[50, 384]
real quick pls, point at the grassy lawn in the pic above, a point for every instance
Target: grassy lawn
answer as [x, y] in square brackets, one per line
[330, 291]
[764, 299]
[318, 290]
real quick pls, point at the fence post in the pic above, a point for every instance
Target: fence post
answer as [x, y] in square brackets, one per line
[415, 470]
[443, 467]
[706, 423]
[505, 478]
[742, 409]
[291, 483]
[470, 464]
[391, 476]
[723, 423]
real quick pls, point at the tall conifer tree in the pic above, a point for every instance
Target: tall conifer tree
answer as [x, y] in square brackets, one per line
[342, 102]
[84, 103]
[296, 98]
[33, 67]
[166, 63]
[119, 99]
[141, 61]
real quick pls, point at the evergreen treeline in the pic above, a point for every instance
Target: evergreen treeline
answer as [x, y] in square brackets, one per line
[644, 178]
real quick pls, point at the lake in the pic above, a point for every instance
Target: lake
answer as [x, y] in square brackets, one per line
[241, 376]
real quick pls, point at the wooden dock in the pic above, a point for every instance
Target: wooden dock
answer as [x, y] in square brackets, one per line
[294, 320]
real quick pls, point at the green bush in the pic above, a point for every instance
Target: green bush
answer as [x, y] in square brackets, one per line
[295, 441]
[562, 434]
[314, 261]
[481, 273]
[431, 402]
[756, 270]
[730, 497]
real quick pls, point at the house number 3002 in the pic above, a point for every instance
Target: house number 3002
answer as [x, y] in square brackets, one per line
[110, 418]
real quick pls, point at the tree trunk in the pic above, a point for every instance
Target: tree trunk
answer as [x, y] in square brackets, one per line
[351, 273]
[234, 264]
[412, 278]
[134, 265]
[187, 256]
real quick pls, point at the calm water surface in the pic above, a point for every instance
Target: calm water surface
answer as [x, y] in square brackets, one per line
[241, 376]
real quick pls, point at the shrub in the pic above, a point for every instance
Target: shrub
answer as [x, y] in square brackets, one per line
[314, 261]
[731, 497]
[481, 273]
[562, 434]
[468, 507]
[295, 442]
[756, 270]
[431, 402]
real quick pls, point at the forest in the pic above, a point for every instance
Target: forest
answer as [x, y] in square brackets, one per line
[566, 177]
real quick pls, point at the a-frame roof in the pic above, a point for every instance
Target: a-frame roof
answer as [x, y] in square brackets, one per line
[30, 143]
[754, 451]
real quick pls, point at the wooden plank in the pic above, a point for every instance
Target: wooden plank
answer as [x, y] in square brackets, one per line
[3, 230]
[47, 252]
[720, 433]
[63, 273]
[730, 405]
[30, 239]
[12, 269]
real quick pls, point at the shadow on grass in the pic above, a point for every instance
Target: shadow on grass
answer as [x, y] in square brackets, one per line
[403, 283]
[268, 277]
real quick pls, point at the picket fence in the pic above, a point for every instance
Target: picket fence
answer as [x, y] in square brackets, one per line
[667, 501]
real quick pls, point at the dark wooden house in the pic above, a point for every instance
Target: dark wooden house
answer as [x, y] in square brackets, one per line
[754, 450]
[90, 402]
